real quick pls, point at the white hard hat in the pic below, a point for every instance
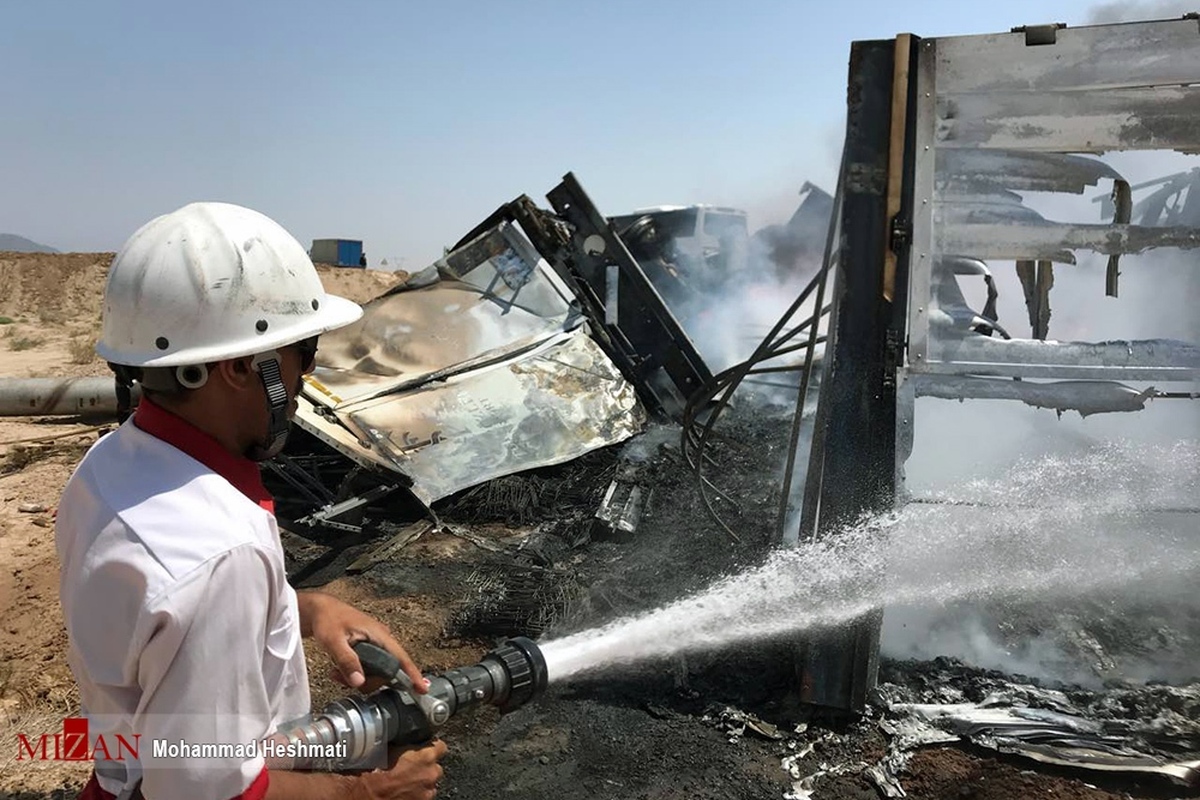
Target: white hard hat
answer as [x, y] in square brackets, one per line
[212, 281]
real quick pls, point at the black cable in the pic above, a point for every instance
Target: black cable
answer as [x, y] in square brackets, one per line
[693, 442]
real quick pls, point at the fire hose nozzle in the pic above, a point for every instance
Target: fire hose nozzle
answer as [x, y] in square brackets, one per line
[508, 677]
[379, 663]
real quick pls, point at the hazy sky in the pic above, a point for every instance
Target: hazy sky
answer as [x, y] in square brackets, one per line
[404, 123]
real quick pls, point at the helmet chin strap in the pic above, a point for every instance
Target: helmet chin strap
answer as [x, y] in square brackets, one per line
[267, 366]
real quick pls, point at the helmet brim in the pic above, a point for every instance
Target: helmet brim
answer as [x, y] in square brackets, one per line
[334, 312]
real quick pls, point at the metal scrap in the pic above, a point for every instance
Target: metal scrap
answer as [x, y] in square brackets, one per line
[536, 340]
[1085, 397]
[735, 723]
[1034, 723]
[1037, 279]
[803, 789]
[624, 501]
[885, 776]
[512, 596]
[383, 552]
[502, 378]
[620, 510]
[478, 541]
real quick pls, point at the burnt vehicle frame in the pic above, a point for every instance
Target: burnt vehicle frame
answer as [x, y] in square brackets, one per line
[942, 136]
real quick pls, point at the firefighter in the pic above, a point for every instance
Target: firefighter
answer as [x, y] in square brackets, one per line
[182, 627]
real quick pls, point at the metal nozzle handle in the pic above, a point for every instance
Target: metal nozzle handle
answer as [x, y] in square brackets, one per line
[379, 663]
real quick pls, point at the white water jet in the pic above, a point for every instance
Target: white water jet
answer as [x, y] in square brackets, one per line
[1056, 527]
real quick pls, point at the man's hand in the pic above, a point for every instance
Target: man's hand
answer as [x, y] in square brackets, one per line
[414, 773]
[337, 626]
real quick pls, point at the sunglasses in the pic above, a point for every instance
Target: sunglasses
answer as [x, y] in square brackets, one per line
[308, 352]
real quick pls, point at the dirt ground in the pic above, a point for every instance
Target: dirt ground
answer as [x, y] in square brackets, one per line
[655, 731]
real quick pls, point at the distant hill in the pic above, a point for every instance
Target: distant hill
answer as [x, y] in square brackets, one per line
[19, 244]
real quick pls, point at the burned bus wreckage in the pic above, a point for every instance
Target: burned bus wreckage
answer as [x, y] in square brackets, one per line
[539, 337]
[961, 157]
[533, 341]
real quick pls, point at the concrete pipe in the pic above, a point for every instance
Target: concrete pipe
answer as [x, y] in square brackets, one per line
[36, 397]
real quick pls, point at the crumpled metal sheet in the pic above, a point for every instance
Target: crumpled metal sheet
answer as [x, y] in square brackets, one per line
[541, 408]
[735, 723]
[1058, 735]
[484, 302]
[477, 367]
[885, 776]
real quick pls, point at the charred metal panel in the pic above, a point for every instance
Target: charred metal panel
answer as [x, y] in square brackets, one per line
[852, 463]
[1134, 55]
[477, 367]
[1071, 121]
[540, 409]
[1014, 170]
[485, 301]
[1145, 360]
[1086, 397]
[999, 117]
[1041, 240]
[650, 343]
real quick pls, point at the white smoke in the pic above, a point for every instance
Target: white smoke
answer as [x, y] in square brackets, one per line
[1121, 11]
[731, 320]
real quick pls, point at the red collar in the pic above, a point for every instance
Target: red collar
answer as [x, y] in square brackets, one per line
[241, 472]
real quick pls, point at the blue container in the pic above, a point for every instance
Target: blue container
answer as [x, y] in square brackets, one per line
[339, 252]
[349, 253]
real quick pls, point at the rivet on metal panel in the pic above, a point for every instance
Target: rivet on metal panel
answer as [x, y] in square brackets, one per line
[920, 309]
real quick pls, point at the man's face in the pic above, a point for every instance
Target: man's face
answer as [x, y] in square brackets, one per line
[294, 361]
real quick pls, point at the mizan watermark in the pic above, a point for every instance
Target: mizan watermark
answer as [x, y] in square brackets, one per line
[75, 743]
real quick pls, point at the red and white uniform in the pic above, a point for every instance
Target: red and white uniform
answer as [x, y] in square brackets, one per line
[182, 625]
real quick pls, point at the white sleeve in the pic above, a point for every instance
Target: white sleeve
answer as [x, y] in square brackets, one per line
[201, 674]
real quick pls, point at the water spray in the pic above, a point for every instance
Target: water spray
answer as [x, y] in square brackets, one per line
[1112, 519]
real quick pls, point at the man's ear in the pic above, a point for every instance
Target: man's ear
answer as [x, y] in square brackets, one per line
[237, 373]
